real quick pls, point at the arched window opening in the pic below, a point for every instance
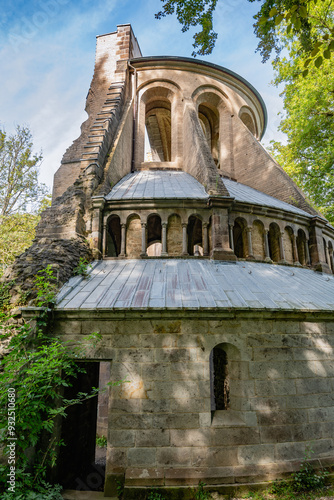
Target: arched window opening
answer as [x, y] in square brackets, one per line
[194, 230]
[153, 230]
[154, 249]
[239, 238]
[301, 242]
[325, 250]
[330, 253]
[209, 120]
[113, 236]
[258, 240]
[158, 132]
[288, 244]
[174, 235]
[248, 121]
[219, 378]
[274, 244]
[133, 236]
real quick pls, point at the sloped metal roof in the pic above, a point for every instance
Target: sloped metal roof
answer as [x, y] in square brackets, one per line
[169, 184]
[244, 193]
[157, 184]
[197, 284]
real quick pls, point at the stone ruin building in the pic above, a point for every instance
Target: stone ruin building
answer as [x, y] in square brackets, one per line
[212, 282]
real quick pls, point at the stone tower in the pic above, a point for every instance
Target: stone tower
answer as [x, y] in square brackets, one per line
[203, 286]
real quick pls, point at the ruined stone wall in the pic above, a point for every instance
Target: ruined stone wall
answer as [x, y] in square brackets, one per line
[160, 421]
[254, 167]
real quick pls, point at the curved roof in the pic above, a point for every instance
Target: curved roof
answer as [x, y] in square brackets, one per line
[197, 284]
[199, 62]
[157, 184]
[244, 193]
[172, 184]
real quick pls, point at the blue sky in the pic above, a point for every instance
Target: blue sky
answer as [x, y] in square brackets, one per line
[47, 50]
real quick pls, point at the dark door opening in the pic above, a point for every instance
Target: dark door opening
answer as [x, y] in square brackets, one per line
[81, 463]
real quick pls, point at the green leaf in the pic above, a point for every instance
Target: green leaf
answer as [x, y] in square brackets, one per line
[318, 62]
[307, 62]
[303, 11]
[273, 12]
[327, 54]
[279, 19]
[305, 73]
[314, 52]
[289, 28]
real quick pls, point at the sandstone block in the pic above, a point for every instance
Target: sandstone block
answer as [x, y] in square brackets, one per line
[121, 438]
[144, 477]
[174, 456]
[190, 437]
[141, 457]
[221, 456]
[255, 454]
[274, 387]
[313, 385]
[176, 421]
[152, 437]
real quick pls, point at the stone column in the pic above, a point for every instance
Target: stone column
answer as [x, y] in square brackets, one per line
[249, 243]
[307, 254]
[164, 239]
[97, 228]
[281, 247]
[184, 239]
[317, 250]
[143, 240]
[295, 251]
[123, 240]
[221, 249]
[104, 239]
[231, 236]
[327, 253]
[266, 246]
[196, 251]
[205, 238]
[332, 262]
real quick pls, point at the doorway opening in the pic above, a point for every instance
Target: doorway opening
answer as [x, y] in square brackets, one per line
[82, 461]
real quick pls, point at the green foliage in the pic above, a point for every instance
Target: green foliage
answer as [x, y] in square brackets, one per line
[101, 441]
[308, 123]
[119, 488]
[201, 493]
[36, 368]
[19, 166]
[5, 287]
[155, 494]
[194, 13]
[307, 478]
[82, 268]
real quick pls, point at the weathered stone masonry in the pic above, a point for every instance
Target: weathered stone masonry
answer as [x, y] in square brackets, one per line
[201, 242]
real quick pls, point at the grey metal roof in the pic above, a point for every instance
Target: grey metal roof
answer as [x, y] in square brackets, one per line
[244, 193]
[157, 184]
[197, 284]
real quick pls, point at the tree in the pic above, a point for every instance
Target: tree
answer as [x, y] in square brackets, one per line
[19, 167]
[310, 21]
[308, 155]
[22, 197]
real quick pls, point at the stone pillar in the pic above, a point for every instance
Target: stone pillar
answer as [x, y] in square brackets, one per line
[205, 238]
[184, 239]
[123, 240]
[327, 253]
[249, 243]
[332, 262]
[295, 251]
[143, 240]
[266, 246]
[220, 236]
[105, 239]
[164, 240]
[97, 229]
[196, 251]
[281, 248]
[317, 251]
[231, 236]
[307, 253]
